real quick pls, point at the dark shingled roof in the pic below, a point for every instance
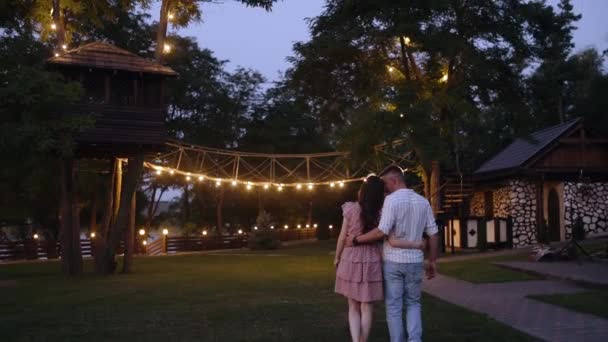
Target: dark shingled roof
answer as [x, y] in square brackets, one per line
[107, 56]
[523, 149]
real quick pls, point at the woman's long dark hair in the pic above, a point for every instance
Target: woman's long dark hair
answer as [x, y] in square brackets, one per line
[371, 198]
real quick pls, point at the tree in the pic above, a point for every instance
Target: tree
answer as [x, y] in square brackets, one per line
[33, 130]
[435, 74]
[183, 12]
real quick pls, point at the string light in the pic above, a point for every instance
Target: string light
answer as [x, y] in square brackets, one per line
[331, 226]
[299, 226]
[255, 228]
[218, 184]
[314, 225]
[444, 78]
[159, 170]
[93, 235]
[170, 16]
[142, 232]
[165, 231]
[204, 232]
[391, 69]
[145, 242]
[167, 48]
[53, 26]
[407, 40]
[65, 47]
[36, 236]
[240, 232]
[286, 227]
[56, 54]
[271, 227]
[400, 115]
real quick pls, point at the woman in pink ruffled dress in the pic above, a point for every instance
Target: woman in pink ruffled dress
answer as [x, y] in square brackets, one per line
[359, 268]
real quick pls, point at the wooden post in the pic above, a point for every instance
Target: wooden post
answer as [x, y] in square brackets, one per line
[130, 238]
[117, 188]
[134, 172]
[164, 250]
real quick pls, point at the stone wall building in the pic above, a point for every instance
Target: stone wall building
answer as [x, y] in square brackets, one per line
[547, 179]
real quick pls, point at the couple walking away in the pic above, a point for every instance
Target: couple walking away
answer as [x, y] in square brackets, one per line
[368, 272]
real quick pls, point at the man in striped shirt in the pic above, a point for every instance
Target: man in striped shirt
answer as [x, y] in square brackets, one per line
[405, 216]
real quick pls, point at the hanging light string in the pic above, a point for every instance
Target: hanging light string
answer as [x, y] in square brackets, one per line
[198, 177]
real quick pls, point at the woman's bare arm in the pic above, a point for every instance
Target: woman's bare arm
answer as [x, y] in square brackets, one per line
[341, 241]
[404, 244]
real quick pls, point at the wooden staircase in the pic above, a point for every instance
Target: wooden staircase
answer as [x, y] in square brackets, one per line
[455, 193]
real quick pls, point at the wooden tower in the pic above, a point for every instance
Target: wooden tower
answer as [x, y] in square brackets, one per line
[124, 94]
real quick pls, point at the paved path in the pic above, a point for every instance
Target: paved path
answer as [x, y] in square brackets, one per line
[507, 303]
[594, 273]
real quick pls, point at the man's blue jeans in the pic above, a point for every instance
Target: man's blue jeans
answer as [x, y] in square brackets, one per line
[402, 283]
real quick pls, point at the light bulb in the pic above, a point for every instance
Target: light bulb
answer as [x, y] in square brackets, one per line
[159, 172]
[165, 231]
[92, 235]
[332, 184]
[201, 178]
[234, 183]
[218, 183]
[299, 186]
[310, 186]
[204, 232]
[53, 26]
[142, 232]
[266, 186]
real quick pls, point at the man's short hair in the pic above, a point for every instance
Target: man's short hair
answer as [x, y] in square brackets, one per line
[394, 170]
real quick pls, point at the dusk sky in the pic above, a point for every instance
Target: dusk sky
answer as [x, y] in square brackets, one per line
[253, 38]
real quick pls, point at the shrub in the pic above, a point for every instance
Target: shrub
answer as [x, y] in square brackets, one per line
[263, 240]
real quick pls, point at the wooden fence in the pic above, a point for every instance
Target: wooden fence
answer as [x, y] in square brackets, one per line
[41, 249]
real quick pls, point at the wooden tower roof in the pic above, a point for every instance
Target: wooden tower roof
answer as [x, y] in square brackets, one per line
[103, 55]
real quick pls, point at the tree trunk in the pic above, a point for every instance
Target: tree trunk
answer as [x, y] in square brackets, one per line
[134, 171]
[71, 256]
[186, 204]
[426, 180]
[130, 237]
[434, 186]
[102, 236]
[161, 34]
[404, 58]
[58, 20]
[151, 204]
[93, 221]
[219, 210]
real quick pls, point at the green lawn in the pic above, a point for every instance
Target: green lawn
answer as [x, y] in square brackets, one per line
[592, 302]
[283, 295]
[483, 270]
